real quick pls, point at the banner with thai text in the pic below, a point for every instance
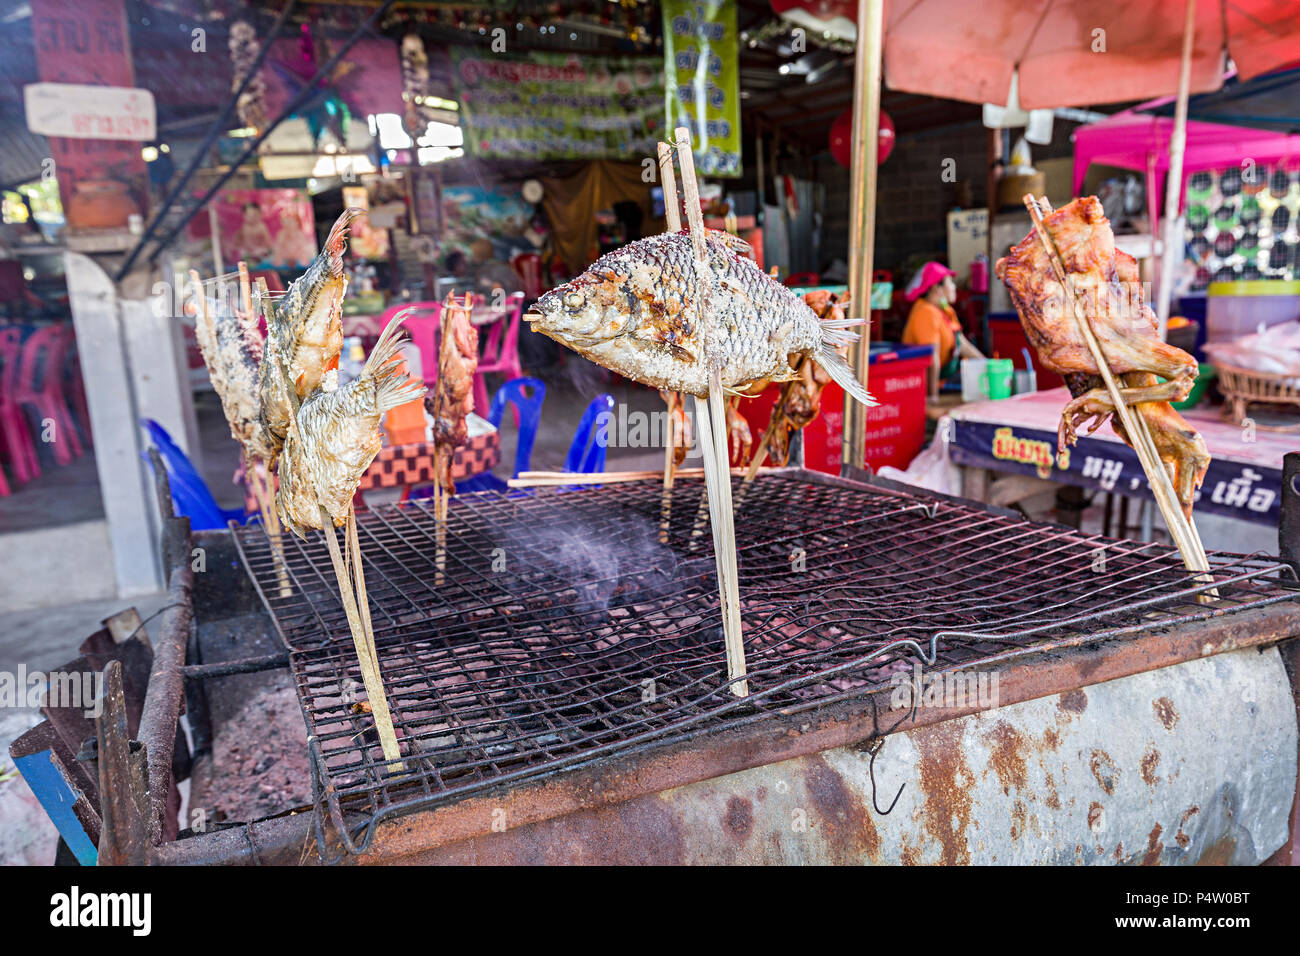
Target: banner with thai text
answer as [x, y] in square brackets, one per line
[701, 58]
[559, 106]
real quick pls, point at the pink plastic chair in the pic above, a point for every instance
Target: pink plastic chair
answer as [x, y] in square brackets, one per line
[528, 266]
[422, 322]
[40, 384]
[501, 353]
[16, 436]
[77, 394]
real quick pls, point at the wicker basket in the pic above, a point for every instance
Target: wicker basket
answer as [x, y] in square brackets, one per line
[1241, 386]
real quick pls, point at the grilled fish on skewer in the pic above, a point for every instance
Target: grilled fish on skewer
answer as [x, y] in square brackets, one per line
[633, 311]
[453, 395]
[1107, 285]
[231, 345]
[336, 436]
[305, 330]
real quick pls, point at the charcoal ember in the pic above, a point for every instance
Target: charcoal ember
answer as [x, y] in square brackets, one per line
[260, 758]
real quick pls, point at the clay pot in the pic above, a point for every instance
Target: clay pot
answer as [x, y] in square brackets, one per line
[100, 204]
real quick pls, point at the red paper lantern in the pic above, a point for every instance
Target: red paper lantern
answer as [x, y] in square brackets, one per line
[842, 138]
[821, 9]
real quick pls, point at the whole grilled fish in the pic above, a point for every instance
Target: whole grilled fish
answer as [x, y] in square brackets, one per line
[336, 436]
[634, 311]
[305, 332]
[231, 344]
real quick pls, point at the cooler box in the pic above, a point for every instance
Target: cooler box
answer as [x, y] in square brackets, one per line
[1234, 309]
[895, 432]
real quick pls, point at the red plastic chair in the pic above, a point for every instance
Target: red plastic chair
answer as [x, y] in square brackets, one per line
[528, 266]
[17, 438]
[803, 278]
[40, 384]
[422, 322]
[501, 353]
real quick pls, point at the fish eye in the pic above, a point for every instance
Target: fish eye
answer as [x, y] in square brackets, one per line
[573, 300]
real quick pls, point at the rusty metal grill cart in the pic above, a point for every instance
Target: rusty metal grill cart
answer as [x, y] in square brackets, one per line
[565, 632]
[562, 696]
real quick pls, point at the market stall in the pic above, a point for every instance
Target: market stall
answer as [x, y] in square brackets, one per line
[789, 661]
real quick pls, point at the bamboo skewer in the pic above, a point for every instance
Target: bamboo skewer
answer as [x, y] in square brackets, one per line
[673, 218]
[711, 416]
[362, 634]
[356, 605]
[550, 479]
[1181, 528]
[262, 483]
[670, 471]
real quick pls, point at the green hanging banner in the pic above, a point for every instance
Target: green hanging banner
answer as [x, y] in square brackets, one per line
[558, 106]
[702, 62]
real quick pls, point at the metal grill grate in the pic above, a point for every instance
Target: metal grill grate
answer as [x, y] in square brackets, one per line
[565, 630]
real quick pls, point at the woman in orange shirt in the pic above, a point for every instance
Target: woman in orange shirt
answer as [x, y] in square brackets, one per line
[933, 322]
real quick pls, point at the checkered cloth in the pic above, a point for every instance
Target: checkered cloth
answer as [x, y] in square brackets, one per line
[412, 464]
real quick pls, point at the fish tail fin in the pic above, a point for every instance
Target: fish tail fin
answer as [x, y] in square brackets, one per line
[388, 346]
[397, 388]
[841, 373]
[393, 385]
[337, 240]
[837, 333]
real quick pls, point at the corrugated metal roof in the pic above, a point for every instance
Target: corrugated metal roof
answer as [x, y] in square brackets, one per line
[23, 153]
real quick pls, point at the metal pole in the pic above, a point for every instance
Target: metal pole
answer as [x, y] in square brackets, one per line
[1172, 253]
[307, 92]
[862, 226]
[217, 126]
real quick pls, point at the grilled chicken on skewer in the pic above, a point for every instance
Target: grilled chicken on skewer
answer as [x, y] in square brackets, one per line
[453, 396]
[1107, 285]
[740, 440]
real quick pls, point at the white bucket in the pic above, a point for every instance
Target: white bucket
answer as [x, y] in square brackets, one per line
[972, 379]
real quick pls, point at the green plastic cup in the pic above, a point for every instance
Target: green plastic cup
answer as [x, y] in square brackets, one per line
[997, 378]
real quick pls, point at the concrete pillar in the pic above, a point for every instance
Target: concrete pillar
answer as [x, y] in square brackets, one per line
[132, 359]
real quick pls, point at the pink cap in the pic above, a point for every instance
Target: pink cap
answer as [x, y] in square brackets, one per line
[925, 278]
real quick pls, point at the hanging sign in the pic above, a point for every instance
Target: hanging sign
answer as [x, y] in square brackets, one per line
[102, 181]
[701, 59]
[90, 112]
[558, 106]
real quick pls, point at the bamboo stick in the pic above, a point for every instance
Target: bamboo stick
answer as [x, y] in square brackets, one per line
[867, 68]
[361, 641]
[712, 418]
[1171, 244]
[673, 218]
[547, 479]
[1181, 529]
[360, 627]
[670, 469]
[672, 209]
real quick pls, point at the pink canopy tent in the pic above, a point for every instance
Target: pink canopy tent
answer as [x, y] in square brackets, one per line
[1140, 141]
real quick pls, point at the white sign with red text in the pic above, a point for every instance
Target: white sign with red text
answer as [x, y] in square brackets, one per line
[90, 112]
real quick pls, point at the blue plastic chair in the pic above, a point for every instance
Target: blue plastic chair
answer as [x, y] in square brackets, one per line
[191, 496]
[587, 452]
[526, 395]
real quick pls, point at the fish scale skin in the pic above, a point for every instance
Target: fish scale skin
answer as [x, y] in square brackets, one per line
[638, 316]
[307, 332]
[335, 436]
